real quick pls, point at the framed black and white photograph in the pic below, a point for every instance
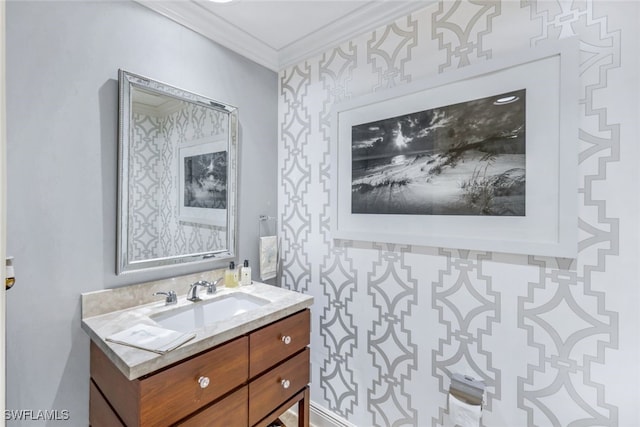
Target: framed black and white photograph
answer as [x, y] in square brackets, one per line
[461, 159]
[483, 157]
[202, 186]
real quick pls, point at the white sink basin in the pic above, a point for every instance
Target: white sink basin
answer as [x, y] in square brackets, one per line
[203, 313]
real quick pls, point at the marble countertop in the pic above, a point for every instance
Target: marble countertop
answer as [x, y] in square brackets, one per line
[135, 363]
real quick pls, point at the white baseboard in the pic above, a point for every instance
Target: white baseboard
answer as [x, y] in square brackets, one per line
[322, 417]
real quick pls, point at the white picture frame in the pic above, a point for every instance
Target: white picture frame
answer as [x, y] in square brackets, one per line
[205, 215]
[549, 73]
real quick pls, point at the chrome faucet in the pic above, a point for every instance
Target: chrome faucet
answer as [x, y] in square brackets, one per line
[192, 295]
[171, 297]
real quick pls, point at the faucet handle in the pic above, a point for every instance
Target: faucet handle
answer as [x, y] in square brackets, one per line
[212, 287]
[171, 297]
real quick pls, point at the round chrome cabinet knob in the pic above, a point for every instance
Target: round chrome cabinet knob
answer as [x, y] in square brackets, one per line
[204, 382]
[285, 384]
[286, 339]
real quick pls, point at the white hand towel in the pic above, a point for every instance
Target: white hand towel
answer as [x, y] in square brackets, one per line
[150, 338]
[268, 257]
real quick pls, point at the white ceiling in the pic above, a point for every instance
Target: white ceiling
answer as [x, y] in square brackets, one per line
[280, 33]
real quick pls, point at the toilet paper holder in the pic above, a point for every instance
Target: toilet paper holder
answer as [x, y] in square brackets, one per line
[467, 389]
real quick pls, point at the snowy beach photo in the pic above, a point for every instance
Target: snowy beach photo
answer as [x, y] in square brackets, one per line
[467, 158]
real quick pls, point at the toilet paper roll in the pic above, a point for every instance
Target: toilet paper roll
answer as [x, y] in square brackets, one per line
[462, 414]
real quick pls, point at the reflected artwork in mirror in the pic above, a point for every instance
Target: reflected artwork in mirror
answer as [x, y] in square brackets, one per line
[177, 164]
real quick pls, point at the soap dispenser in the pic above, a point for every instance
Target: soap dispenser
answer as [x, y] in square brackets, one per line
[245, 275]
[231, 276]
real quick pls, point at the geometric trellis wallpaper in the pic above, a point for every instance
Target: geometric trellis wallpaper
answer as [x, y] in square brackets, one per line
[155, 230]
[391, 323]
[143, 203]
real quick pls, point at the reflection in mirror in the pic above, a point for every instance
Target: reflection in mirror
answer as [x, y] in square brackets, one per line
[177, 177]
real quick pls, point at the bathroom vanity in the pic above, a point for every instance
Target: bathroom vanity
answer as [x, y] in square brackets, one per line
[242, 371]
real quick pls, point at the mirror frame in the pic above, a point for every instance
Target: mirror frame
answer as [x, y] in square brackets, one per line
[215, 258]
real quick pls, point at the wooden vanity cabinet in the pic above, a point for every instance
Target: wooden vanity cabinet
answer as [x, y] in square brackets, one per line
[251, 381]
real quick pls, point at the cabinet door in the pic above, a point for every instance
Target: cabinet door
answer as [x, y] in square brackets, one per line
[232, 411]
[100, 413]
[276, 342]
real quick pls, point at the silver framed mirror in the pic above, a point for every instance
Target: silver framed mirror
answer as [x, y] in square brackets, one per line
[177, 177]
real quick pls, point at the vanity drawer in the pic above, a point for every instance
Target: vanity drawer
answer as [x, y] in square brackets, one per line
[276, 342]
[232, 411]
[174, 393]
[169, 395]
[270, 390]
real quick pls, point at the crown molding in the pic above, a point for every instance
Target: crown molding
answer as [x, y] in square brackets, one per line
[370, 16]
[211, 26]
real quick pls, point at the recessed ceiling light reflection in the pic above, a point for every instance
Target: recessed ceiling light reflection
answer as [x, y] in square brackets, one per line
[506, 100]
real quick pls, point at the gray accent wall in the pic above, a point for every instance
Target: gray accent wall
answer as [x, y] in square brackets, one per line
[555, 340]
[62, 65]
